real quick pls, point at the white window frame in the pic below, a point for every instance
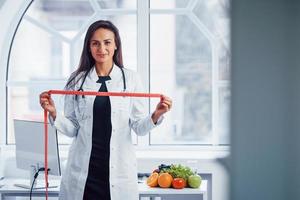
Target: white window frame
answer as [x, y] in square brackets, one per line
[143, 13]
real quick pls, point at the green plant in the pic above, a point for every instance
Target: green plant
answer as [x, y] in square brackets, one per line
[177, 171]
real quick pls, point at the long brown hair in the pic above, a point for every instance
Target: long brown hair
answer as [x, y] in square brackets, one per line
[86, 60]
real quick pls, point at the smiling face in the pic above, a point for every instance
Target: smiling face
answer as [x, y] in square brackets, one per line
[103, 46]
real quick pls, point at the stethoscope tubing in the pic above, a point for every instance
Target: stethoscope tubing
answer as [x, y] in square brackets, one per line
[81, 85]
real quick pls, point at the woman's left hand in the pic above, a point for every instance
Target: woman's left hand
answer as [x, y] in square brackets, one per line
[162, 107]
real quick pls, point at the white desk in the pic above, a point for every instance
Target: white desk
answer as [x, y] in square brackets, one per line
[145, 192]
[171, 193]
[9, 190]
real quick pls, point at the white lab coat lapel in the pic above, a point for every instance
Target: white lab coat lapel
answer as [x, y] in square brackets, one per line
[113, 85]
[92, 85]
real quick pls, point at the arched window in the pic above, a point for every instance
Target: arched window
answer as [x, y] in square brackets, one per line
[179, 47]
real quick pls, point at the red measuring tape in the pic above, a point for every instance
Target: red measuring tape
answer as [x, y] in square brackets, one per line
[89, 93]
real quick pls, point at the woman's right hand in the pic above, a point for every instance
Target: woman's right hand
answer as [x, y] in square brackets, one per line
[47, 103]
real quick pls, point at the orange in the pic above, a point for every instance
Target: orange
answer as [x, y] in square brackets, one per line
[152, 180]
[165, 180]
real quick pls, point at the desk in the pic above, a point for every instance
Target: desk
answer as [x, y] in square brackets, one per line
[145, 192]
[9, 190]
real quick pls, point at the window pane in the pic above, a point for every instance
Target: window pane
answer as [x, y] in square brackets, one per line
[224, 114]
[168, 4]
[64, 16]
[127, 25]
[181, 68]
[128, 4]
[214, 14]
[224, 63]
[48, 57]
[24, 104]
[190, 61]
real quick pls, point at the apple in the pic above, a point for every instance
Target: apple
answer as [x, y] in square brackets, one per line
[194, 181]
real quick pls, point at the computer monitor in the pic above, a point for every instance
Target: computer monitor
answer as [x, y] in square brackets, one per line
[30, 148]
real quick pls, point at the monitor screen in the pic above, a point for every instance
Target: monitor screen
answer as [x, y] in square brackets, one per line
[30, 146]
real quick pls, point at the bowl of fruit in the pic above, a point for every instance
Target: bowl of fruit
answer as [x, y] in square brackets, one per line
[173, 176]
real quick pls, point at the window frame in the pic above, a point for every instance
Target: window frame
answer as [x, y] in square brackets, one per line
[143, 12]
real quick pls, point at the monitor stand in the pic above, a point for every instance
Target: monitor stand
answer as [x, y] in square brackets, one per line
[36, 185]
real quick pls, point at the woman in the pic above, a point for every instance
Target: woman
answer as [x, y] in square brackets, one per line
[102, 163]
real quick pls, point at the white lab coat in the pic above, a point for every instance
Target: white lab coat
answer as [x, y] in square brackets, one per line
[126, 113]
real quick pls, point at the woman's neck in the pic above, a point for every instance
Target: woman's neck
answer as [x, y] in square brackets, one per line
[103, 69]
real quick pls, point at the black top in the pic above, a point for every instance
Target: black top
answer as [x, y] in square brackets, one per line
[97, 183]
